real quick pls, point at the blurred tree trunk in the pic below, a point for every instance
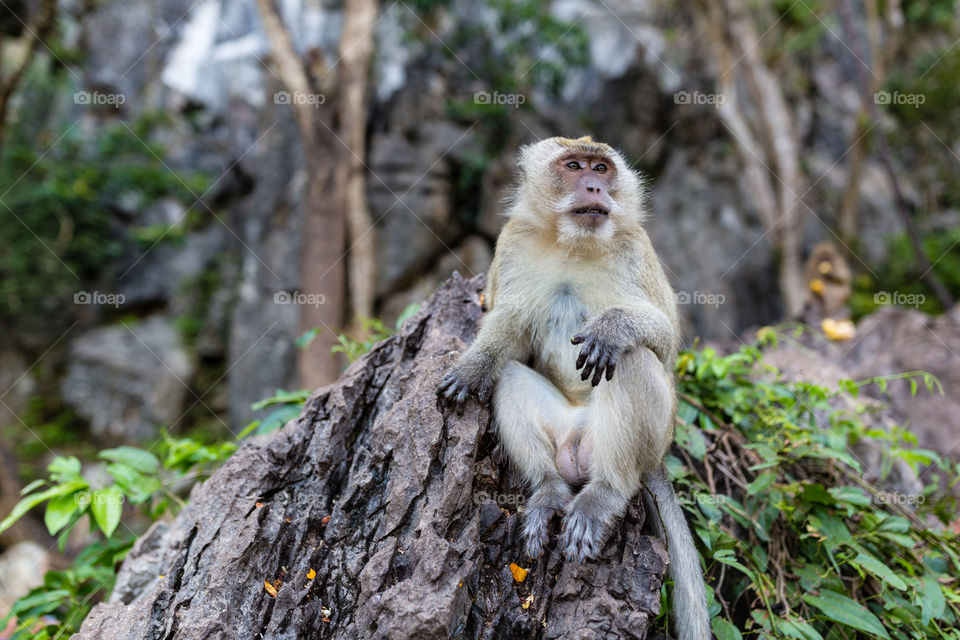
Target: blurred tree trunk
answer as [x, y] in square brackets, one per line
[356, 49]
[333, 133]
[769, 148]
[34, 29]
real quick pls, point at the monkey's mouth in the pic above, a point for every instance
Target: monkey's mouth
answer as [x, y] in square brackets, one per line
[593, 211]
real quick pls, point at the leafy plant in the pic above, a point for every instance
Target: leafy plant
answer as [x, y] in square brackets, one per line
[138, 477]
[56, 609]
[798, 541]
[373, 332]
[286, 406]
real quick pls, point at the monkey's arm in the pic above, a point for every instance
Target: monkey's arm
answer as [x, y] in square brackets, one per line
[479, 367]
[613, 332]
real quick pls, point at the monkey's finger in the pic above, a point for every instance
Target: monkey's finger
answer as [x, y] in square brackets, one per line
[578, 339]
[610, 367]
[584, 352]
[587, 370]
[598, 375]
[450, 390]
[461, 397]
[485, 394]
[448, 383]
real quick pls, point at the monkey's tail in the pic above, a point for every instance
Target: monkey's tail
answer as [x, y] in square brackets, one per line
[689, 593]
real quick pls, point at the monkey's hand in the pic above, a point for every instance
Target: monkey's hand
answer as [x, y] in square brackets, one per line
[468, 377]
[603, 343]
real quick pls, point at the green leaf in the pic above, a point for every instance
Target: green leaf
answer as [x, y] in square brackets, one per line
[107, 506]
[304, 340]
[277, 418]
[932, 602]
[64, 469]
[816, 493]
[880, 570]
[282, 397]
[762, 482]
[725, 631]
[33, 500]
[690, 438]
[843, 610]
[134, 457]
[797, 629]
[851, 495]
[687, 412]
[39, 603]
[138, 486]
[59, 512]
[408, 312]
[33, 486]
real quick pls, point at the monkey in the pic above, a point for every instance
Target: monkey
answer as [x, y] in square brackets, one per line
[576, 352]
[830, 284]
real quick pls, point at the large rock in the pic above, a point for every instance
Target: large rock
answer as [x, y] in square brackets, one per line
[897, 340]
[892, 341]
[129, 380]
[374, 515]
[21, 569]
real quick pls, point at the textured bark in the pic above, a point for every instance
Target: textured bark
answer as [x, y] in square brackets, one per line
[415, 546]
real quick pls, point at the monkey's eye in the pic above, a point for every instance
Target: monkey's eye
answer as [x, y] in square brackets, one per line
[600, 167]
[573, 165]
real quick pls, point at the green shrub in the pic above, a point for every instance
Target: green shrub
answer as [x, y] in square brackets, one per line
[797, 540]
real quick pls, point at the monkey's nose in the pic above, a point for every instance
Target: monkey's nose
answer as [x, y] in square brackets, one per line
[593, 185]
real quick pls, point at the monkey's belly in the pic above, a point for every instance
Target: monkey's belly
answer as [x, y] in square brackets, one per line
[556, 356]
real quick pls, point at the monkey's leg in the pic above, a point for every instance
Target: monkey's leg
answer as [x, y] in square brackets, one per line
[627, 433]
[531, 416]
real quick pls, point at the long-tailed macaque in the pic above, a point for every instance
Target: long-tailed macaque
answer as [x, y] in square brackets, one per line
[577, 352]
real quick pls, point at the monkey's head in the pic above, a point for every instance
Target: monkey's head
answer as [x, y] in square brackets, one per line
[584, 191]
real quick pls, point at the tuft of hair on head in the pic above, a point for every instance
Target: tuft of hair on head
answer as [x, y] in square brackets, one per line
[585, 144]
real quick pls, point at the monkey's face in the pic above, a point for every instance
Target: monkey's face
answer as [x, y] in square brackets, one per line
[581, 192]
[586, 179]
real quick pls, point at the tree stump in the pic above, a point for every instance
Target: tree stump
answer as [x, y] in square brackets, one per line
[376, 514]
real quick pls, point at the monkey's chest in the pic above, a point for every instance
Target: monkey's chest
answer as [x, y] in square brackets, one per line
[555, 357]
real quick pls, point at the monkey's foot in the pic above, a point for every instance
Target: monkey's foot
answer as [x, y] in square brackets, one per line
[587, 520]
[546, 501]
